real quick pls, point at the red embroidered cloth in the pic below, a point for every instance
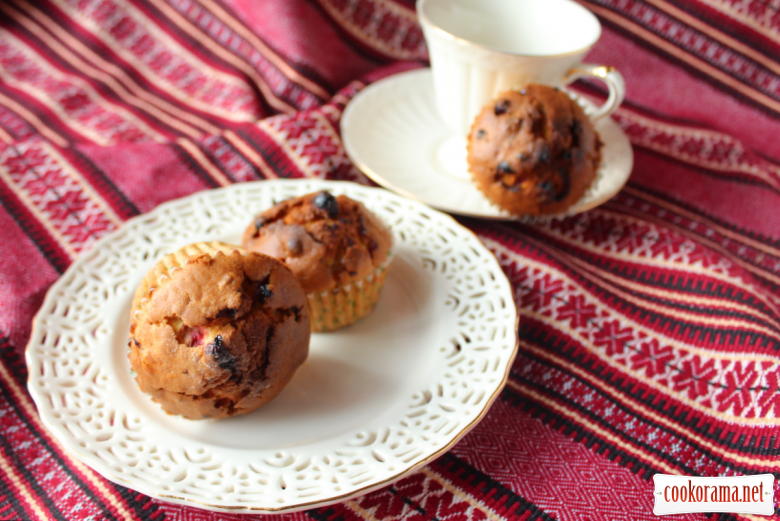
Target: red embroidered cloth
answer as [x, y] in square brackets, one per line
[649, 328]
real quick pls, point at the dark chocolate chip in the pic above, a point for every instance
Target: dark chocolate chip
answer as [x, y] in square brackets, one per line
[565, 184]
[262, 291]
[567, 154]
[544, 154]
[547, 189]
[326, 201]
[222, 357]
[225, 403]
[372, 245]
[504, 167]
[576, 133]
[295, 246]
[362, 230]
[501, 106]
[522, 157]
[481, 133]
[297, 312]
[227, 313]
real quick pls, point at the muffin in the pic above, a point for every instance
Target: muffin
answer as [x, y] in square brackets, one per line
[217, 331]
[533, 151]
[336, 247]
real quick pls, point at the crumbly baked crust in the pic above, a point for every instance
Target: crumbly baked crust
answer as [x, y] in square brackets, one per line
[326, 241]
[217, 331]
[533, 151]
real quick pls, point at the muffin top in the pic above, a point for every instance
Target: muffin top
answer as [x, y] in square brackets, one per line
[326, 241]
[533, 151]
[213, 333]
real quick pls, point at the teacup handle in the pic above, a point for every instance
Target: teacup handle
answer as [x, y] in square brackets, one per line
[610, 76]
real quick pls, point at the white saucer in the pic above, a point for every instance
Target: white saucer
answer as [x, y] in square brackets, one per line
[392, 132]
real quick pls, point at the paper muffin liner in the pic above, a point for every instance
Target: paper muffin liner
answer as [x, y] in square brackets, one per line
[346, 304]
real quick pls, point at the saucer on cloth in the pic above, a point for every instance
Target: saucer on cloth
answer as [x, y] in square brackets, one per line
[393, 133]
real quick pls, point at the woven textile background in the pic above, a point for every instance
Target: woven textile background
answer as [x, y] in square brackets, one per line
[649, 328]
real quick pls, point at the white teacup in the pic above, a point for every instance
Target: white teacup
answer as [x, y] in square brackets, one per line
[480, 48]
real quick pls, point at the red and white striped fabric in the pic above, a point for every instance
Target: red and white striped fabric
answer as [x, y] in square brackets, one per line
[650, 327]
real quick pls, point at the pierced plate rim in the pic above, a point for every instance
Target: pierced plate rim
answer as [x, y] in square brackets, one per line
[62, 436]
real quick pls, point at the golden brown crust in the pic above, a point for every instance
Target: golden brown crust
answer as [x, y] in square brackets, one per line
[326, 241]
[219, 334]
[533, 151]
